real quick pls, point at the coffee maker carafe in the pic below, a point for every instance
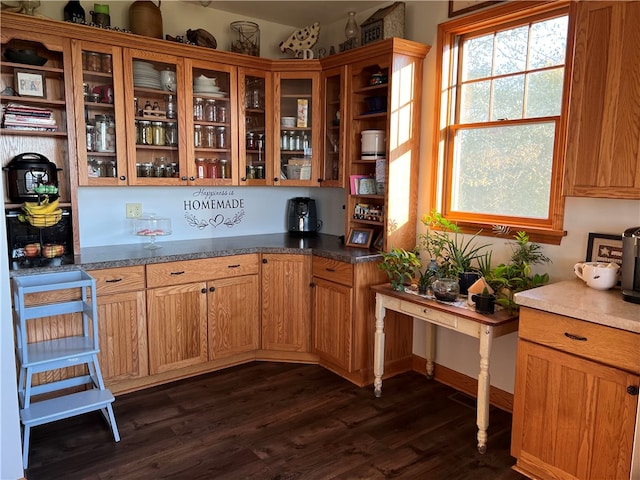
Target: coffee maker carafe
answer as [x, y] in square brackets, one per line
[302, 216]
[631, 265]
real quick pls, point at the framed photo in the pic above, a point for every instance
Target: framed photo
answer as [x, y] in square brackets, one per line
[360, 237]
[378, 243]
[30, 83]
[604, 247]
[459, 7]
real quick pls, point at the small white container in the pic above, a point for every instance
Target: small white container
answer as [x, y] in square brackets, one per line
[373, 144]
[288, 122]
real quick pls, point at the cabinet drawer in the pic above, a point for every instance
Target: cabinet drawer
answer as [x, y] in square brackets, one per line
[332, 270]
[116, 280]
[188, 271]
[607, 345]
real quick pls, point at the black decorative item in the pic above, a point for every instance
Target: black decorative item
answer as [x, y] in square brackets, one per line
[73, 12]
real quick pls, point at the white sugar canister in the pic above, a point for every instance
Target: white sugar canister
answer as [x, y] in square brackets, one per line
[373, 144]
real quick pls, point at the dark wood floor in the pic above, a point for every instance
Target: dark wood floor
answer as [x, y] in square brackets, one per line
[281, 422]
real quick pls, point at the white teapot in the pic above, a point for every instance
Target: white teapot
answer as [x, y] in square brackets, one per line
[598, 275]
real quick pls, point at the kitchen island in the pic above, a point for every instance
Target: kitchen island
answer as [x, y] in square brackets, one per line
[576, 411]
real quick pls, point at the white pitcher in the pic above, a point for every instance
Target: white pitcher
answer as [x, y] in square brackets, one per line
[598, 275]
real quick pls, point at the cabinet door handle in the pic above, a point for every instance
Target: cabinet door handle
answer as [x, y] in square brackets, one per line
[184, 178]
[633, 390]
[123, 178]
[177, 273]
[204, 290]
[115, 280]
[264, 260]
[575, 337]
[237, 265]
[243, 179]
[275, 179]
[330, 269]
[212, 289]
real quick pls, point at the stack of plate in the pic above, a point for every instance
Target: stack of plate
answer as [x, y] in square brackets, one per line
[145, 76]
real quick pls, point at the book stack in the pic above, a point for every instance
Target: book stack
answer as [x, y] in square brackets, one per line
[23, 117]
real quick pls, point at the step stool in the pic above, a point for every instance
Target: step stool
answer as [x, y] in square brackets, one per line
[38, 357]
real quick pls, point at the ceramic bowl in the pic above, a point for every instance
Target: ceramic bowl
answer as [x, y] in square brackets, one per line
[28, 57]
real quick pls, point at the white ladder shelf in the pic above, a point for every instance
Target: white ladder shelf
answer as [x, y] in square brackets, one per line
[63, 352]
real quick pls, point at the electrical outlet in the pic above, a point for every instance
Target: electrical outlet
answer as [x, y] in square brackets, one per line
[134, 210]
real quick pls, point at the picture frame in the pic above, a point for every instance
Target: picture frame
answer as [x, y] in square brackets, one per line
[30, 83]
[378, 243]
[359, 237]
[460, 7]
[604, 247]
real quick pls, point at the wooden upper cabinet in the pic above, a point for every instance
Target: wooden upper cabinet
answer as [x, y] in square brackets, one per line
[603, 144]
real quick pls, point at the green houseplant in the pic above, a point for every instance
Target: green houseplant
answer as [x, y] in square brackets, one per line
[516, 275]
[400, 265]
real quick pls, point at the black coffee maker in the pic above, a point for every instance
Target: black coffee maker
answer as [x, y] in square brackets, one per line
[631, 265]
[302, 216]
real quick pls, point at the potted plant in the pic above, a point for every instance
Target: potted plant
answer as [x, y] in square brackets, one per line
[401, 266]
[485, 301]
[516, 275]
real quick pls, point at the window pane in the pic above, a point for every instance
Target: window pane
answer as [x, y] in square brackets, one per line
[508, 98]
[474, 102]
[504, 170]
[548, 43]
[511, 50]
[544, 93]
[478, 57]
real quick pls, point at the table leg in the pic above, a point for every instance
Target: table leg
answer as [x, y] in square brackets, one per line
[431, 349]
[486, 337]
[378, 351]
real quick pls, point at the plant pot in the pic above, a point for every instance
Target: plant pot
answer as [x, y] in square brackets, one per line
[466, 279]
[485, 304]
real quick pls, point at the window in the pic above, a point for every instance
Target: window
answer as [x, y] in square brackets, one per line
[502, 111]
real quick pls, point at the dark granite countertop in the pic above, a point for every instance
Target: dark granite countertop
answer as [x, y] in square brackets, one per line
[95, 258]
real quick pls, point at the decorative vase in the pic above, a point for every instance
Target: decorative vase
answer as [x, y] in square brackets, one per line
[446, 289]
[73, 12]
[352, 30]
[145, 18]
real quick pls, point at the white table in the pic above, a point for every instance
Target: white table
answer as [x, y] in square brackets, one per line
[466, 321]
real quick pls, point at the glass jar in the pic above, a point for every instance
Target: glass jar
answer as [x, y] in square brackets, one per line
[251, 172]
[92, 170]
[224, 170]
[111, 169]
[201, 167]
[212, 168]
[100, 167]
[171, 169]
[94, 62]
[146, 132]
[211, 111]
[221, 138]
[171, 134]
[91, 138]
[158, 133]
[210, 137]
[245, 38]
[170, 106]
[292, 140]
[198, 109]
[144, 169]
[105, 63]
[197, 136]
[160, 167]
[251, 141]
[259, 172]
[284, 141]
[105, 134]
[222, 114]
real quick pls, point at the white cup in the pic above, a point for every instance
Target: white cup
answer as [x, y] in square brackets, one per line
[598, 275]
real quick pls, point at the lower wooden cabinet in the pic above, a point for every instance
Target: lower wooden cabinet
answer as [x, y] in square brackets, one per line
[233, 316]
[286, 302]
[122, 323]
[177, 324]
[575, 401]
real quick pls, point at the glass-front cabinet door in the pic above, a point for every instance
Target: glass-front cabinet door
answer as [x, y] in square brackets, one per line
[297, 124]
[155, 118]
[333, 158]
[255, 132]
[212, 152]
[100, 124]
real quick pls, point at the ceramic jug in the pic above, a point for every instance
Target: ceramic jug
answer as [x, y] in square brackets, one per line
[598, 275]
